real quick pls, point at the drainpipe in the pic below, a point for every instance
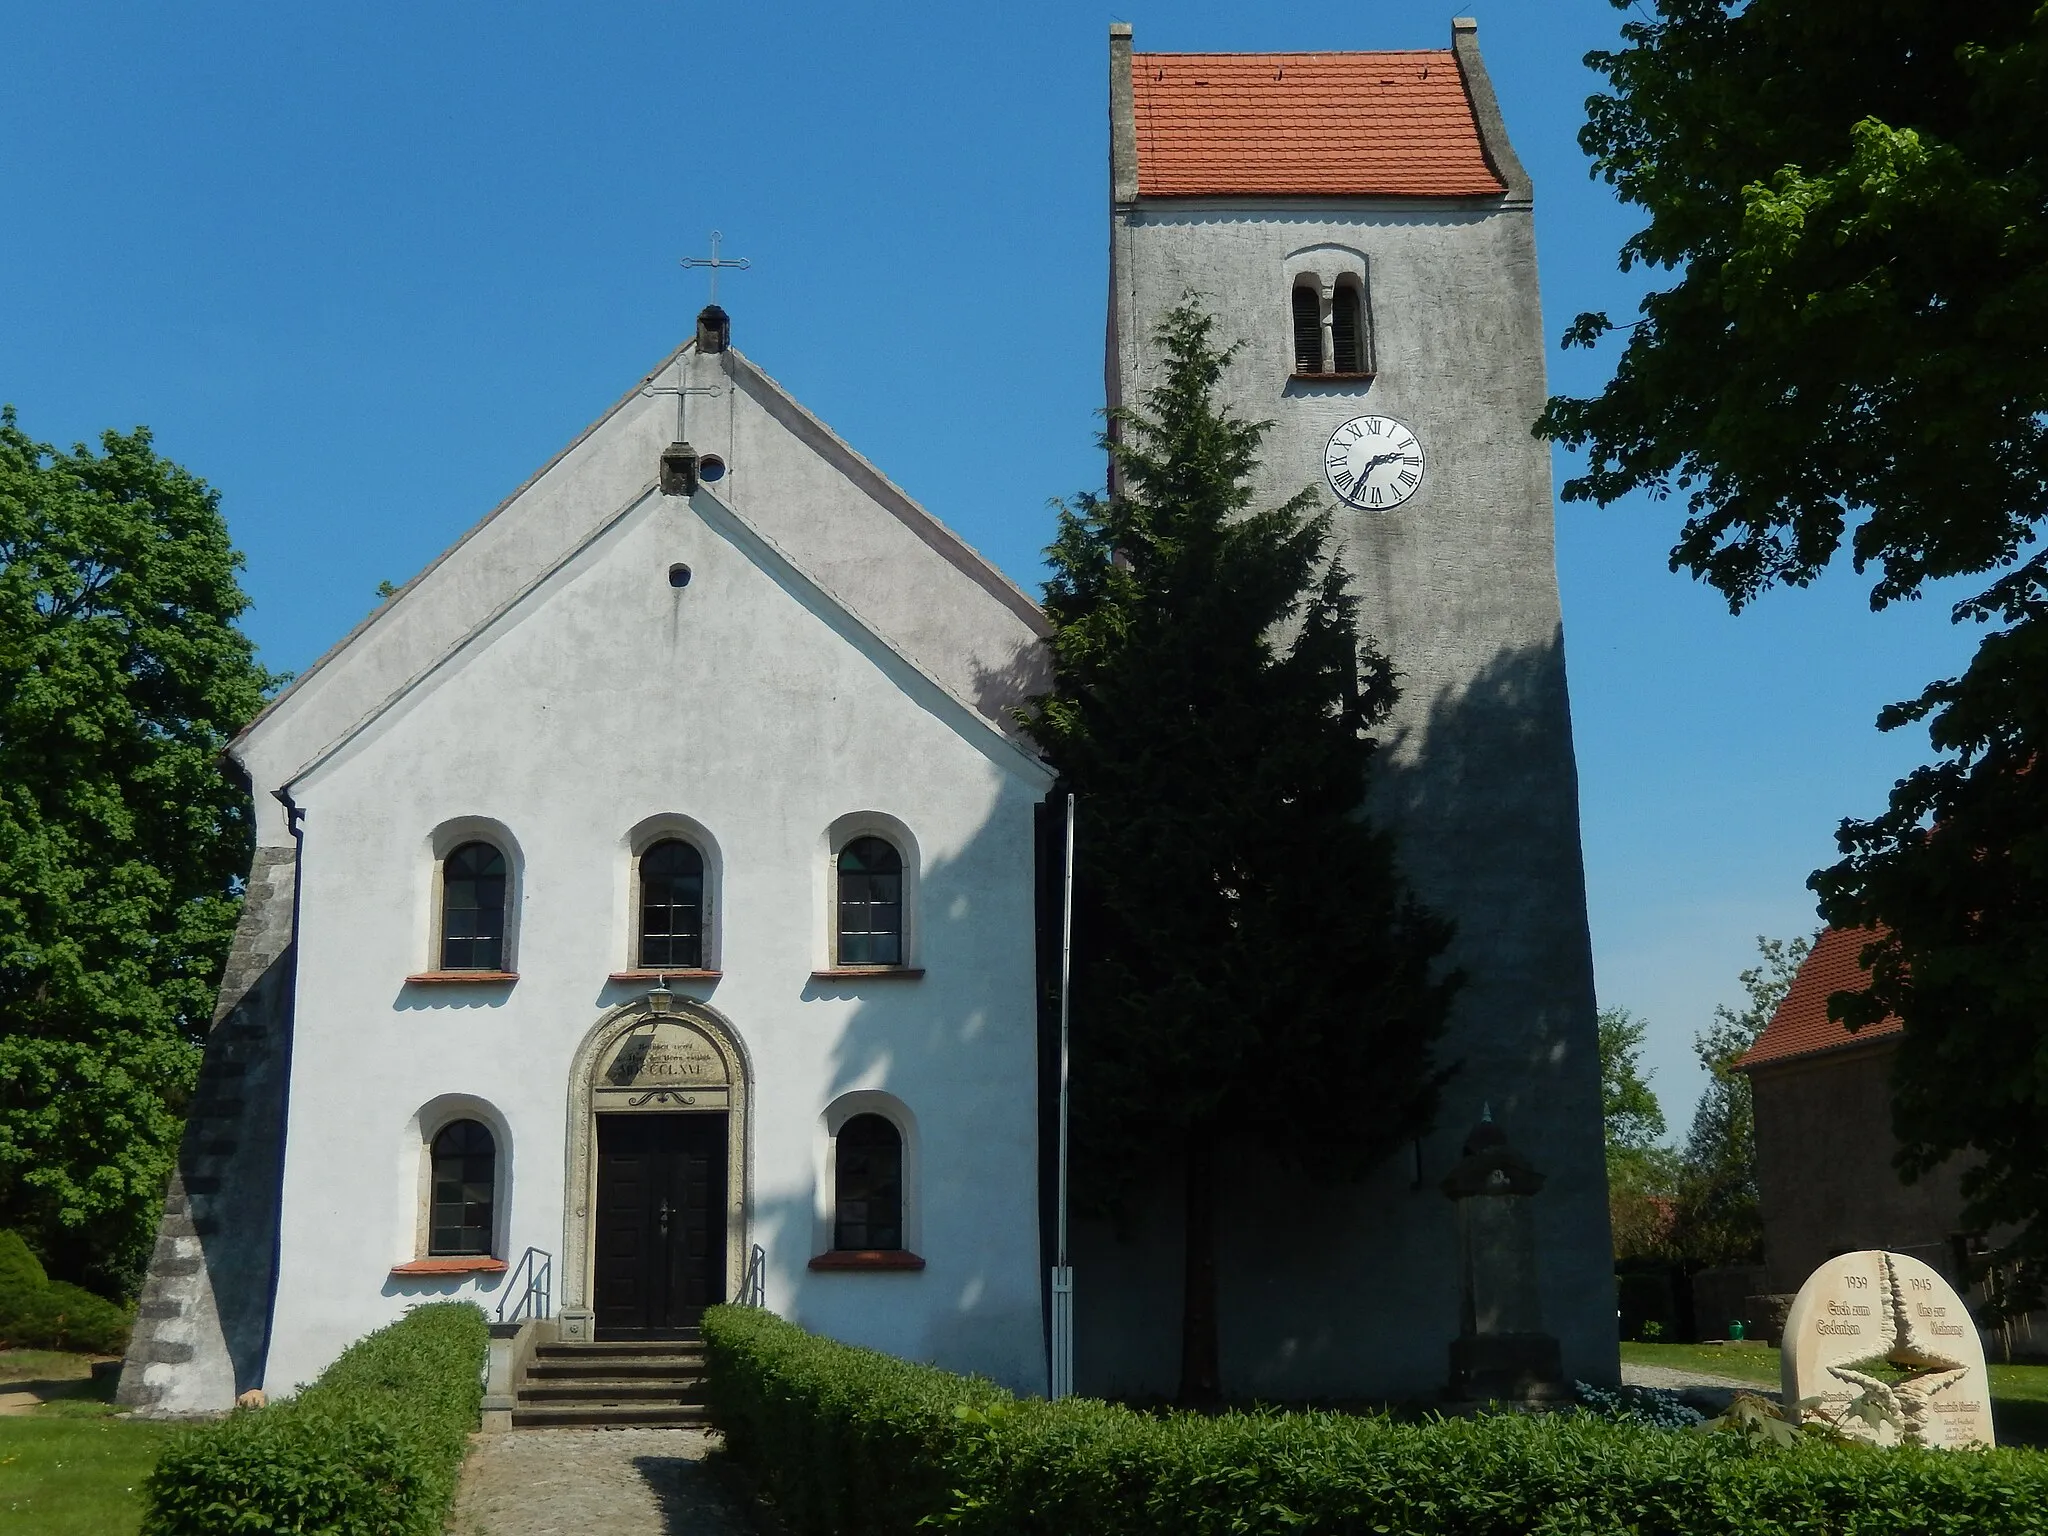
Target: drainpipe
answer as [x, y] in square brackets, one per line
[295, 821]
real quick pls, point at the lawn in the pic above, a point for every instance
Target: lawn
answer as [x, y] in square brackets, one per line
[2019, 1393]
[1741, 1362]
[75, 1477]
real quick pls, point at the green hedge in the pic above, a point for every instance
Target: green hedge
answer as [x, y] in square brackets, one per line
[37, 1312]
[370, 1449]
[850, 1442]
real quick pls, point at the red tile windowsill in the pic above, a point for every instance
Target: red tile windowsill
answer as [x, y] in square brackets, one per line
[1332, 378]
[451, 978]
[672, 975]
[479, 1264]
[868, 1258]
[869, 973]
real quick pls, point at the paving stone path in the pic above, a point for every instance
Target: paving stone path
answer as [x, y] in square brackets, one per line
[593, 1482]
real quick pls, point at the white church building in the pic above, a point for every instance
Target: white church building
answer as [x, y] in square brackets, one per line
[647, 910]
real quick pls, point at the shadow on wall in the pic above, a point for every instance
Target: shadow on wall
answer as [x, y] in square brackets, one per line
[205, 1305]
[1479, 787]
[235, 1179]
[999, 690]
[961, 1058]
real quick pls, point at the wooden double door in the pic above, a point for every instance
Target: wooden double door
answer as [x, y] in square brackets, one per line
[661, 1183]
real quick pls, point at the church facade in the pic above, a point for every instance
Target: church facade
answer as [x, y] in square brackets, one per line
[646, 904]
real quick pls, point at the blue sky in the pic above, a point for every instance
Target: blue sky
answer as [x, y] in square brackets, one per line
[365, 268]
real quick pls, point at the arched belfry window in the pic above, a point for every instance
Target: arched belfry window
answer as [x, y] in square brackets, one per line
[1308, 329]
[473, 909]
[671, 906]
[465, 1181]
[1347, 329]
[867, 1195]
[870, 903]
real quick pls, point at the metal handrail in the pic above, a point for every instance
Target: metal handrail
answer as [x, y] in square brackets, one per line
[538, 1266]
[753, 1284]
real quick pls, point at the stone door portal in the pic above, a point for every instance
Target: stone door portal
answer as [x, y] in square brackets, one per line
[661, 1229]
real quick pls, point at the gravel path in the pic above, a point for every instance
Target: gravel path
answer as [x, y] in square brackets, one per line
[593, 1482]
[1673, 1379]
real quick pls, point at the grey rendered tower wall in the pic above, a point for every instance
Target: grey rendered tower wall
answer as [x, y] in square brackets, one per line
[1351, 1291]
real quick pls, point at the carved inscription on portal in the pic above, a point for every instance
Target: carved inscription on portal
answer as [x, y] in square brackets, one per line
[663, 1064]
[1884, 1329]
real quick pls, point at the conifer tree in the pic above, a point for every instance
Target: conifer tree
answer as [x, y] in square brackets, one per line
[1251, 968]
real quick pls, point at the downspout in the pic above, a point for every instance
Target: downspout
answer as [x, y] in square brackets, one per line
[295, 822]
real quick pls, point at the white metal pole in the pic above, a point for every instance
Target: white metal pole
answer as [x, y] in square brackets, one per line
[1063, 1274]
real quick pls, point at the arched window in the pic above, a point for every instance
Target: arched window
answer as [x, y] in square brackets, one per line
[671, 906]
[465, 1186]
[473, 909]
[1308, 329]
[867, 1194]
[870, 903]
[1347, 329]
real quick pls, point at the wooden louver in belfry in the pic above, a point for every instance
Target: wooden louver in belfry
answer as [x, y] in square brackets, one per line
[1346, 330]
[1308, 330]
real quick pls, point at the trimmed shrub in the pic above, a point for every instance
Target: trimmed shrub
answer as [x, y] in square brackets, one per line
[849, 1442]
[37, 1312]
[370, 1449]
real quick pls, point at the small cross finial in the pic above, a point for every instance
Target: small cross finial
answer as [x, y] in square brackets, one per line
[714, 261]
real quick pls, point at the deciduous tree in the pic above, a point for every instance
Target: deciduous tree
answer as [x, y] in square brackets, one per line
[1253, 971]
[1718, 1220]
[1853, 201]
[122, 845]
[1642, 1173]
[1956, 872]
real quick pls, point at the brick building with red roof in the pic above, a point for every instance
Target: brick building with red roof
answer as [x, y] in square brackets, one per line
[1824, 1143]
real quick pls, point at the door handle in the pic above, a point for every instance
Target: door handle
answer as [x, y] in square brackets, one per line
[661, 1217]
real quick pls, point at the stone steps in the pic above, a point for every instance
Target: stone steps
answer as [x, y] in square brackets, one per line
[619, 1383]
[611, 1416]
[600, 1391]
[615, 1371]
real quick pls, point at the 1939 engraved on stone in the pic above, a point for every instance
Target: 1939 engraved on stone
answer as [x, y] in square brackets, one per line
[1861, 1309]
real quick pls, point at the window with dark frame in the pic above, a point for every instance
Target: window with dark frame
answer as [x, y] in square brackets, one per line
[671, 906]
[465, 1159]
[473, 909]
[1308, 329]
[867, 1195]
[1347, 329]
[870, 903]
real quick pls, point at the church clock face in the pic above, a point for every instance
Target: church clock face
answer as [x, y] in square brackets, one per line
[1374, 462]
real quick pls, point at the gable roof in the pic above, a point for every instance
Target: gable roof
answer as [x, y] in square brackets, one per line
[868, 549]
[1801, 1026]
[1395, 124]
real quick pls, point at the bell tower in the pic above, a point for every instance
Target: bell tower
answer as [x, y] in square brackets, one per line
[1360, 223]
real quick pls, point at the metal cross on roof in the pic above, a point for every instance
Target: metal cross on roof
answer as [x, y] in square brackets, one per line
[714, 261]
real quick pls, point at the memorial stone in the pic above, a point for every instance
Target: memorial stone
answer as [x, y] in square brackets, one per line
[1862, 1318]
[1501, 1351]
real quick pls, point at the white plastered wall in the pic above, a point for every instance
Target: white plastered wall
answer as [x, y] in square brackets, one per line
[757, 706]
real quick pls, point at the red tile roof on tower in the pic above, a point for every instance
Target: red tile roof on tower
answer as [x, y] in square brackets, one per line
[1349, 124]
[1801, 1026]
